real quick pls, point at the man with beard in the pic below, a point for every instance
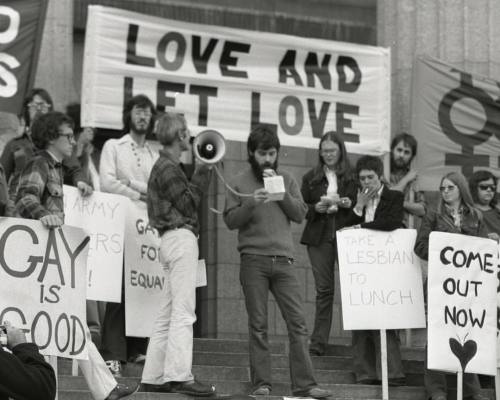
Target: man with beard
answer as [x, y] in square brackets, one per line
[266, 249]
[124, 169]
[403, 178]
[173, 203]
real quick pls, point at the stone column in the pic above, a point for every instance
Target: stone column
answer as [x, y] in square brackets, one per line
[464, 33]
[55, 65]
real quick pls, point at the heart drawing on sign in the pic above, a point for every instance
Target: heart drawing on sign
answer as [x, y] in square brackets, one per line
[464, 352]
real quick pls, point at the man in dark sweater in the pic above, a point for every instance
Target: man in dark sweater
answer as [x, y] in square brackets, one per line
[266, 247]
[24, 372]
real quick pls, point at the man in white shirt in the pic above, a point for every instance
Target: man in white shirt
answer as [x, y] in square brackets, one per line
[124, 169]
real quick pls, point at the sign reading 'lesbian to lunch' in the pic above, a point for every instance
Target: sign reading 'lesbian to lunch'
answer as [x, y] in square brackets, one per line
[232, 79]
[462, 308]
[380, 279]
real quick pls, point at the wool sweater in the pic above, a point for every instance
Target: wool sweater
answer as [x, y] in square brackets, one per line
[265, 228]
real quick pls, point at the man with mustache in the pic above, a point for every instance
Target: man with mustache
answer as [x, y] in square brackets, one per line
[265, 244]
[125, 166]
[403, 178]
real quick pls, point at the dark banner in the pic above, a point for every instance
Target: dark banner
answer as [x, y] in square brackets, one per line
[21, 28]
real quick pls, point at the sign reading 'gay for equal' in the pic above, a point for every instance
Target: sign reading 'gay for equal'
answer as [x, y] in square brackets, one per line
[380, 279]
[42, 284]
[462, 303]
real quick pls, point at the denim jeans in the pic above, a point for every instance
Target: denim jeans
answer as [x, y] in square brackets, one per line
[170, 351]
[366, 355]
[322, 259]
[260, 275]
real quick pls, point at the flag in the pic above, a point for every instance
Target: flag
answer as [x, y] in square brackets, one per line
[21, 29]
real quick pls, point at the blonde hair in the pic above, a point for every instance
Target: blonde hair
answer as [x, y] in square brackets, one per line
[168, 127]
[463, 187]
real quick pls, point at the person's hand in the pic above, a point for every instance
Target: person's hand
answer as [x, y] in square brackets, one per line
[143, 197]
[321, 207]
[268, 172]
[260, 195]
[125, 181]
[84, 188]
[345, 202]
[411, 176]
[494, 236]
[364, 196]
[15, 335]
[51, 221]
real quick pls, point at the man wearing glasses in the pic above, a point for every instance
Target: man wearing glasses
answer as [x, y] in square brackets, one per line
[20, 150]
[125, 167]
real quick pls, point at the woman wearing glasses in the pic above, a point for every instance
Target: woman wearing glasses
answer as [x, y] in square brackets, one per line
[329, 191]
[455, 213]
[483, 187]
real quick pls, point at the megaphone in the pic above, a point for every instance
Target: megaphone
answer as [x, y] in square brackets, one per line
[209, 146]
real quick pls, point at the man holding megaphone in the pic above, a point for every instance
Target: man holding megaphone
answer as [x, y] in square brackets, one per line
[173, 202]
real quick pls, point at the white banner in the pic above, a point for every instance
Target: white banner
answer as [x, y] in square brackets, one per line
[232, 79]
[102, 216]
[380, 279]
[462, 310]
[144, 277]
[42, 284]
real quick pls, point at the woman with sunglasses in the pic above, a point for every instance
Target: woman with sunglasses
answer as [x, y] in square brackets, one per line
[483, 187]
[455, 213]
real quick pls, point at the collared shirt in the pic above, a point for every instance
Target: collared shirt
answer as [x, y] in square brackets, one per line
[331, 177]
[124, 159]
[372, 205]
[40, 189]
[172, 199]
[408, 191]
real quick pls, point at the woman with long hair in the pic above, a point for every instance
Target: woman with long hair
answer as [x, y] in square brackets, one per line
[455, 213]
[329, 190]
[483, 188]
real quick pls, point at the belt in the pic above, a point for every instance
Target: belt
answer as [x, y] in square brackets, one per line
[281, 259]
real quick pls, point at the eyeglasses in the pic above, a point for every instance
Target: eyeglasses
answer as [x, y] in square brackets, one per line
[486, 187]
[447, 188]
[333, 151]
[39, 106]
[69, 136]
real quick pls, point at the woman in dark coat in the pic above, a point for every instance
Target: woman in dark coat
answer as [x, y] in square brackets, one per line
[329, 190]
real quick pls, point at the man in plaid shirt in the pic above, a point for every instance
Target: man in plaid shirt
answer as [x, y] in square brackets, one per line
[173, 201]
[40, 196]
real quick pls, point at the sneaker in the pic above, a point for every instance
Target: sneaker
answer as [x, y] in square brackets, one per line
[262, 391]
[151, 388]
[315, 393]
[193, 388]
[120, 391]
[115, 367]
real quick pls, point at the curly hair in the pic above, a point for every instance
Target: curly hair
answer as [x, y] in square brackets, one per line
[262, 137]
[28, 99]
[370, 163]
[46, 128]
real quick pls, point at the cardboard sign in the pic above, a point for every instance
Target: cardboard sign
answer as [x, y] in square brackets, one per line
[42, 284]
[233, 79]
[462, 287]
[380, 279]
[102, 216]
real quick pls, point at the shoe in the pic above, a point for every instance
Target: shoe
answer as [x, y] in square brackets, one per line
[151, 388]
[138, 359]
[262, 391]
[120, 391]
[315, 393]
[115, 367]
[193, 388]
[397, 381]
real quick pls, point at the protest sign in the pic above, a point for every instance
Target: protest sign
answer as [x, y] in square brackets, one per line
[42, 284]
[456, 119]
[380, 279]
[144, 277]
[232, 79]
[102, 216]
[462, 284]
[21, 28]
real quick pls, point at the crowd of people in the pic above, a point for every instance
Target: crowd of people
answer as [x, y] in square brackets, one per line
[54, 150]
